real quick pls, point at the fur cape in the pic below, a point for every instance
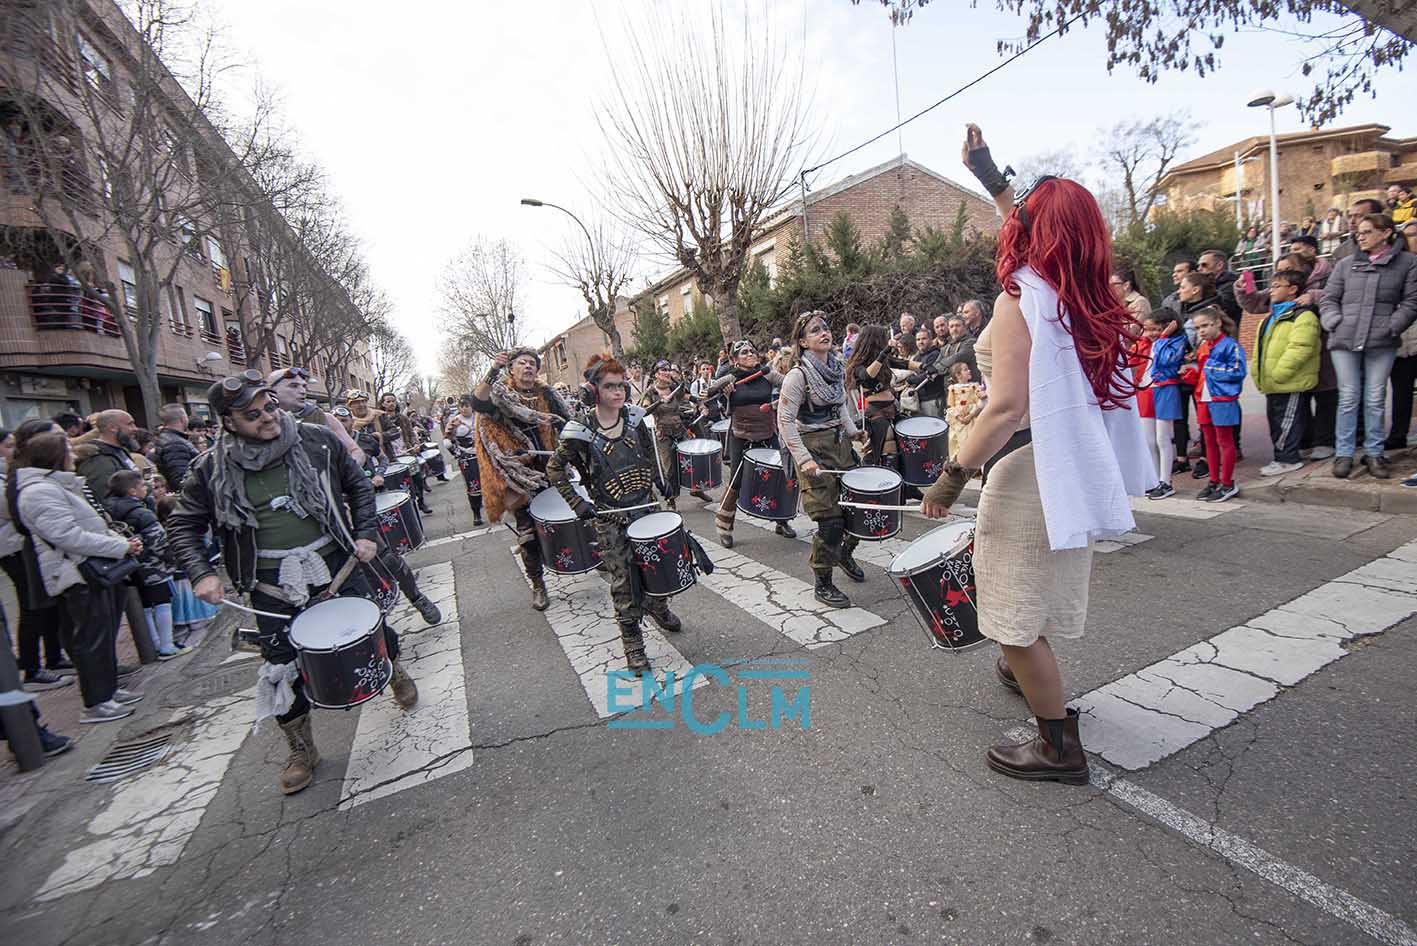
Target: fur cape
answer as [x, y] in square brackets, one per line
[507, 484]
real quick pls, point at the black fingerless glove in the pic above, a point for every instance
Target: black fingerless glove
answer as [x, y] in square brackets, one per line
[982, 166]
[492, 374]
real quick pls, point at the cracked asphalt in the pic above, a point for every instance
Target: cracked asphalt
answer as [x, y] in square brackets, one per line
[878, 824]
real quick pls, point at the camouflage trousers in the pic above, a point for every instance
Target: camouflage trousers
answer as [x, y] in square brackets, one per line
[821, 496]
[619, 568]
[528, 545]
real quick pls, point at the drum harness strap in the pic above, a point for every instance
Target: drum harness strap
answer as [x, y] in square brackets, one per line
[1019, 440]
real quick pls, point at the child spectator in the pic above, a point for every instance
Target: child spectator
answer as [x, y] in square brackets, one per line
[128, 503]
[1157, 358]
[159, 489]
[1221, 363]
[1285, 366]
[190, 614]
[965, 399]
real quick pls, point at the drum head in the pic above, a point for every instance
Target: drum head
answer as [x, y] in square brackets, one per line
[429, 454]
[654, 525]
[394, 469]
[333, 623]
[407, 461]
[931, 547]
[700, 446]
[720, 426]
[871, 479]
[765, 456]
[548, 506]
[920, 428]
[385, 501]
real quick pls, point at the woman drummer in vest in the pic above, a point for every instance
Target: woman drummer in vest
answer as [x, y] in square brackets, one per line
[751, 426]
[869, 370]
[613, 451]
[816, 428]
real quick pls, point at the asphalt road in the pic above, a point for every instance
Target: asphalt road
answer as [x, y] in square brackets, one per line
[516, 813]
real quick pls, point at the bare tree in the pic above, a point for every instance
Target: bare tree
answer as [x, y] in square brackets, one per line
[459, 368]
[392, 358]
[1136, 156]
[144, 153]
[599, 267]
[1364, 38]
[707, 130]
[481, 289]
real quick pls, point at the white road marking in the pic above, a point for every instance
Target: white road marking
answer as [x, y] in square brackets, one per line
[784, 603]
[447, 539]
[1380, 925]
[1159, 710]
[150, 817]
[1184, 508]
[395, 749]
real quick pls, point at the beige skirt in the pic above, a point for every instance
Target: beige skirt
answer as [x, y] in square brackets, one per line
[1025, 589]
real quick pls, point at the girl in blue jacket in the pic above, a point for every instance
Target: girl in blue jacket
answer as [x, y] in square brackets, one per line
[1167, 351]
[1223, 369]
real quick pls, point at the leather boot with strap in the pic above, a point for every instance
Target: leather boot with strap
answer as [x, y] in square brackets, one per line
[724, 516]
[633, 640]
[299, 768]
[1055, 754]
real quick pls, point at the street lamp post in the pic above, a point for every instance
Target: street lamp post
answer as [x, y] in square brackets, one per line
[1268, 98]
[533, 202]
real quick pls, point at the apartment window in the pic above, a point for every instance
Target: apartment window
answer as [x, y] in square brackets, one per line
[662, 303]
[215, 253]
[104, 178]
[766, 255]
[686, 299]
[98, 70]
[128, 278]
[176, 316]
[206, 317]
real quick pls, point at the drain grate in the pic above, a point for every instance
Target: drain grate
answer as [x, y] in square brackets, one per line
[130, 758]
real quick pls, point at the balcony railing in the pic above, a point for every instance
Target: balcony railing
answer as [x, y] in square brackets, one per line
[279, 361]
[57, 308]
[235, 350]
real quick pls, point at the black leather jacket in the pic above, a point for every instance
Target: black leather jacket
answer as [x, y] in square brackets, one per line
[352, 492]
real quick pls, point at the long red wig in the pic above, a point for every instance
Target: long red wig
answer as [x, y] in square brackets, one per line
[1062, 235]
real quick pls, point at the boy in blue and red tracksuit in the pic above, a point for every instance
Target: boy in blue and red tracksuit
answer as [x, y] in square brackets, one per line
[1222, 375]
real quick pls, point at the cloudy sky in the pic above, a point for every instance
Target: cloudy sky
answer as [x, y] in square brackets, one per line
[434, 118]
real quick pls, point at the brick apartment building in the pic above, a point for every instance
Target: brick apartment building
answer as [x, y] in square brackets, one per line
[63, 352]
[927, 198]
[1318, 169]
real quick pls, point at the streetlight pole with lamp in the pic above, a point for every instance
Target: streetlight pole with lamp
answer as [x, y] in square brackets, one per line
[1268, 98]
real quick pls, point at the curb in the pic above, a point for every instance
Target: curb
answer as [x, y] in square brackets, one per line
[1366, 497]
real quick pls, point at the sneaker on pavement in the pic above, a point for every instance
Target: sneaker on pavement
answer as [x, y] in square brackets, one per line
[180, 651]
[1200, 470]
[105, 713]
[1180, 466]
[63, 666]
[53, 744]
[1161, 491]
[1276, 468]
[1225, 492]
[127, 670]
[42, 680]
[126, 697]
[1410, 482]
[1320, 453]
[1207, 494]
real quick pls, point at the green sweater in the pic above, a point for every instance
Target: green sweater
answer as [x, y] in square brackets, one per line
[277, 528]
[1286, 355]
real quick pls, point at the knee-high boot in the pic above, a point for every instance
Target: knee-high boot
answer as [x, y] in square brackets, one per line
[724, 516]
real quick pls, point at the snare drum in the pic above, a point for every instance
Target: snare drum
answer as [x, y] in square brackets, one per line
[876, 485]
[399, 522]
[414, 464]
[340, 649]
[434, 459]
[720, 430]
[936, 575]
[568, 545]
[700, 464]
[924, 447]
[385, 589]
[766, 492]
[397, 478]
[659, 547]
[471, 474]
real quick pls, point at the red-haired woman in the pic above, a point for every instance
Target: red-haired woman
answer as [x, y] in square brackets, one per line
[1055, 350]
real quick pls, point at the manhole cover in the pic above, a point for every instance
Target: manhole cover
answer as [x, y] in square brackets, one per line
[221, 682]
[130, 758]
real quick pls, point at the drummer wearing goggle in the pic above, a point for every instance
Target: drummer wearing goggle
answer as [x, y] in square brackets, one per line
[817, 430]
[750, 387]
[613, 450]
[291, 386]
[293, 511]
[667, 401]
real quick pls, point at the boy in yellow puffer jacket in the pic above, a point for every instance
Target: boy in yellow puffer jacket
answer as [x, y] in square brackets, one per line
[1285, 365]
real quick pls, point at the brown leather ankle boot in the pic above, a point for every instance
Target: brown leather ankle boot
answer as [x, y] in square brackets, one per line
[1054, 755]
[634, 643]
[1005, 673]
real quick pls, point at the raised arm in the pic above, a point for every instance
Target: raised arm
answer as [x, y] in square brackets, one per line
[980, 163]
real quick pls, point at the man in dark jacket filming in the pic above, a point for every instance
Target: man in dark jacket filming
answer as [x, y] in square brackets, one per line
[294, 512]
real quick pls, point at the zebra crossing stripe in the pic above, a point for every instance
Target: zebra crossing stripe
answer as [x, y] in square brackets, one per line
[394, 748]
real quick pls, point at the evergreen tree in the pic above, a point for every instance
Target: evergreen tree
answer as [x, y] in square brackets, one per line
[651, 332]
[893, 244]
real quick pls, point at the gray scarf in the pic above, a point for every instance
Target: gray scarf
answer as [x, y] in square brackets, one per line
[233, 456]
[825, 379]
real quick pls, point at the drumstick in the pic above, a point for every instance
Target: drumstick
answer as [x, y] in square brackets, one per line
[613, 511]
[264, 614]
[962, 513]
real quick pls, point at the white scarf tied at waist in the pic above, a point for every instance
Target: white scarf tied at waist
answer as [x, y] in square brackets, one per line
[275, 691]
[301, 568]
[1087, 460]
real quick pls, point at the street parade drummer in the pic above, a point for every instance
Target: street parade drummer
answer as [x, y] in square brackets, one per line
[291, 506]
[750, 386]
[613, 450]
[518, 419]
[816, 428]
[667, 401]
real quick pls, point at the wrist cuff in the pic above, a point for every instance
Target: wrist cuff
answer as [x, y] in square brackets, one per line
[981, 164]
